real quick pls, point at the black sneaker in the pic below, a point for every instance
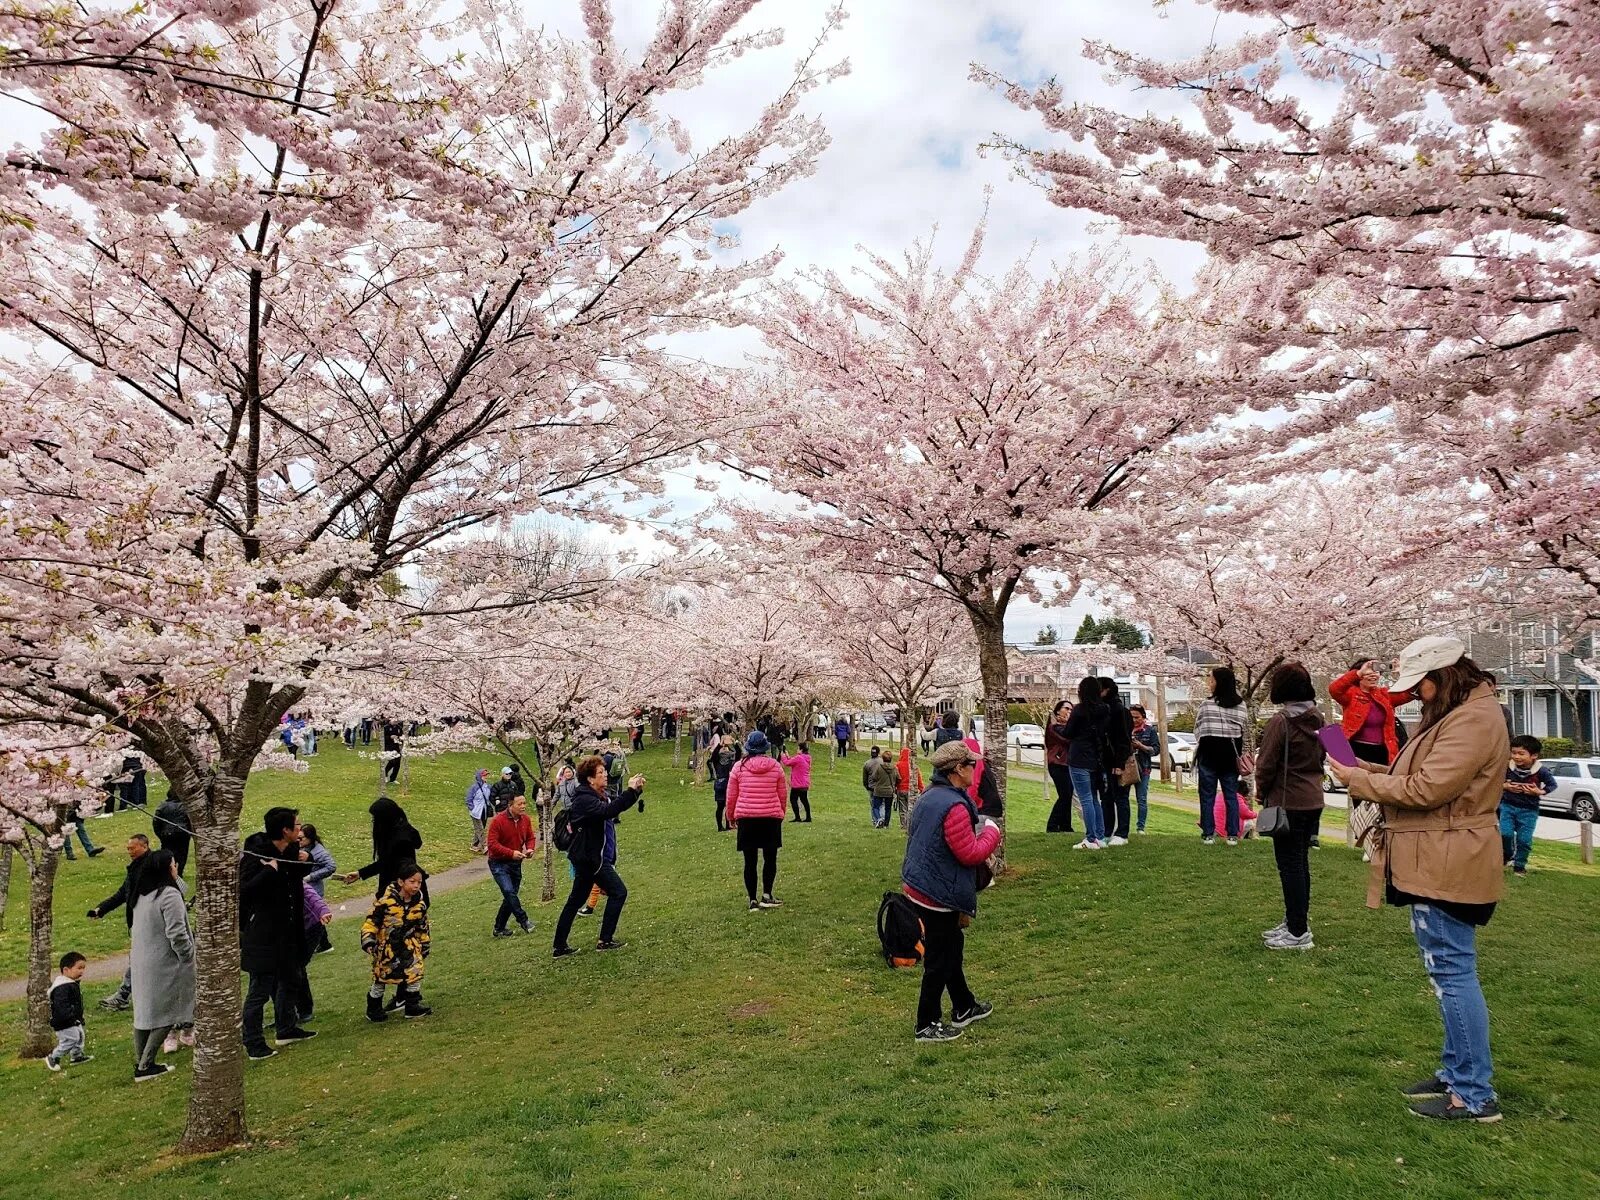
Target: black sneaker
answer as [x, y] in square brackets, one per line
[153, 1071]
[97, 852]
[613, 944]
[258, 1053]
[52, 1062]
[938, 1032]
[770, 901]
[563, 951]
[1428, 1089]
[502, 933]
[81, 1058]
[115, 1002]
[1444, 1108]
[417, 1008]
[527, 926]
[586, 911]
[977, 1012]
[399, 1001]
[755, 905]
[294, 1035]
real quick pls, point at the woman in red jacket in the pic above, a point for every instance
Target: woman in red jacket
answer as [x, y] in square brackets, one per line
[758, 797]
[1368, 719]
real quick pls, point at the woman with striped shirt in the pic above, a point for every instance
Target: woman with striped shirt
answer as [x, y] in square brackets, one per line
[1219, 726]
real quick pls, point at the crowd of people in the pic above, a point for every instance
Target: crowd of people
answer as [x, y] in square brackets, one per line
[1442, 813]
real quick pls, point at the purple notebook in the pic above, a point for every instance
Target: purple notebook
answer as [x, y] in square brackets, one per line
[1337, 745]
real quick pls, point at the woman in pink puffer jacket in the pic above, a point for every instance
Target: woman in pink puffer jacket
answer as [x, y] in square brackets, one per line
[758, 796]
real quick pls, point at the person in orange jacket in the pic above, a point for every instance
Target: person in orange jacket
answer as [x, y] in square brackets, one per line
[907, 775]
[1368, 718]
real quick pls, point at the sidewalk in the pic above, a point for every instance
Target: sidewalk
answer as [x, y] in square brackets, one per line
[110, 970]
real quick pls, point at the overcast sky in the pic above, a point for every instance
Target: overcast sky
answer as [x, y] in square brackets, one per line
[907, 126]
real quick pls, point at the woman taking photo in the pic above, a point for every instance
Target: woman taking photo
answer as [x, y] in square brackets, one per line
[1219, 726]
[1056, 748]
[1438, 851]
[1367, 712]
[160, 962]
[1289, 776]
[587, 815]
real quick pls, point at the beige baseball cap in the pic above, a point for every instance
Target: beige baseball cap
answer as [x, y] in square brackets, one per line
[1424, 655]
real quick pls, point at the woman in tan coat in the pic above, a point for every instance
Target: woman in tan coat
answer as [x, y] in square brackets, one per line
[1437, 851]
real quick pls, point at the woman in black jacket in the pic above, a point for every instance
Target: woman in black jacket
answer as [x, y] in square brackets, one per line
[587, 815]
[1118, 750]
[1085, 732]
[395, 841]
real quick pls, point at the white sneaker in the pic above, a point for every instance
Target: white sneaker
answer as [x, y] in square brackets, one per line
[1118, 841]
[1287, 941]
[1086, 844]
[1233, 841]
[170, 1044]
[1277, 930]
[1097, 845]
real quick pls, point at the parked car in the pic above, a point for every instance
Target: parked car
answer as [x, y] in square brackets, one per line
[1180, 748]
[1025, 736]
[1577, 788]
[875, 722]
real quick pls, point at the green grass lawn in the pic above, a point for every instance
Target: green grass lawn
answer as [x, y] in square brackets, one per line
[1143, 1043]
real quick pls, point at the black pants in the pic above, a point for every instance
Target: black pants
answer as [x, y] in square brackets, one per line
[176, 844]
[844, 747]
[769, 871]
[582, 881]
[943, 946]
[391, 769]
[1114, 807]
[1292, 849]
[303, 1001]
[280, 987]
[1060, 820]
[720, 791]
[798, 797]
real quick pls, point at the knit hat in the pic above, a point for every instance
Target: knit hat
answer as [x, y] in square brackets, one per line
[756, 743]
[951, 755]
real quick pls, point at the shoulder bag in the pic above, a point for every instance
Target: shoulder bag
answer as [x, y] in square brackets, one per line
[1273, 819]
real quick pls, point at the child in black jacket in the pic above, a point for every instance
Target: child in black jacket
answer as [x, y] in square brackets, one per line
[66, 1012]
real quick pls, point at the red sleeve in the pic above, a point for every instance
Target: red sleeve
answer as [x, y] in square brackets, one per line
[1397, 699]
[970, 849]
[498, 846]
[1341, 688]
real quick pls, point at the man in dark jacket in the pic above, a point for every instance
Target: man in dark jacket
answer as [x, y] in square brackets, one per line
[591, 808]
[174, 830]
[721, 762]
[949, 730]
[272, 931]
[1118, 748]
[507, 788]
[138, 847]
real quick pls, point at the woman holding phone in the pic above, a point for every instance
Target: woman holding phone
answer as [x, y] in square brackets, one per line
[1368, 709]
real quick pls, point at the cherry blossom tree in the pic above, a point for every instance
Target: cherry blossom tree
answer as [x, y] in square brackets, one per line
[964, 433]
[1419, 248]
[269, 361]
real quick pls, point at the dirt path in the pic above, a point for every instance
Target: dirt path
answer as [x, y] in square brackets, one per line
[355, 904]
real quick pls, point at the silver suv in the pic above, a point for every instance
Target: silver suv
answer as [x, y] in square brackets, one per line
[1577, 788]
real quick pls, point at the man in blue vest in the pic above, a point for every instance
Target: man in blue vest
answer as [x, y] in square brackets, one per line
[946, 841]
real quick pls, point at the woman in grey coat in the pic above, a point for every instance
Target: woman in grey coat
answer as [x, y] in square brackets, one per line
[161, 962]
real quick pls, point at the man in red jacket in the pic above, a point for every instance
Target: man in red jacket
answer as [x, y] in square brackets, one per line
[511, 842]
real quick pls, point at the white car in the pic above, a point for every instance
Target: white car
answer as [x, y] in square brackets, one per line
[1180, 748]
[1025, 736]
[1577, 788]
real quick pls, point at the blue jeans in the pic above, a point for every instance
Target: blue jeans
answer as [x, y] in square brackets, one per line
[880, 810]
[1094, 825]
[1142, 788]
[1208, 783]
[83, 836]
[1516, 833]
[1450, 954]
[508, 877]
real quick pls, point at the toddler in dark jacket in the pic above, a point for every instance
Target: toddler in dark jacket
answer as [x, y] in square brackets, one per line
[66, 1012]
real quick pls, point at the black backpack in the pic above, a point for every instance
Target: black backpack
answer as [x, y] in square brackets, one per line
[563, 830]
[900, 931]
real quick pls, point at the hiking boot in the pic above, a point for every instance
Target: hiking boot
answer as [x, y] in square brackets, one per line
[1429, 1089]
[938, 1032]
[1288, 941]
[294, 1035]
[1446, 1108]
[502, 933]
[416, 1008]
[153, 1071]
[258, 1053]
[375, 1010]
[769, 901]
[977, 1012]
[563, 951]
[613, 944]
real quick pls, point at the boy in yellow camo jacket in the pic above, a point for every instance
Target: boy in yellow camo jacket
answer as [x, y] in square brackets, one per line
[395, 933]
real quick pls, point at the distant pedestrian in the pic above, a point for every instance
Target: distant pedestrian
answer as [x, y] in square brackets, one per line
[882, 780]
[138, 849]
[946, 842]
[757, 800]
[480, 808]
[508, 785]
[721, 762]
[949, 729]
[174, 830]
[841, 734]
[1118, 751]
[72, 822]
[323, 868]
[1219, 727]
[66, 1013]
[395, 934]
[512, 839]
[392, 731]
[162, 963]
[907, 783]
[318, 916]
[1289, 776]
[799, 764]
[1146, 750]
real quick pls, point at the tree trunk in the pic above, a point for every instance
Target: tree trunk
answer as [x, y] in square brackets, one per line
[677, 742]
[216, 1096]
[1165, 757]
[996, 676]
[7, 857]
[38, 1039]
[547, 808]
